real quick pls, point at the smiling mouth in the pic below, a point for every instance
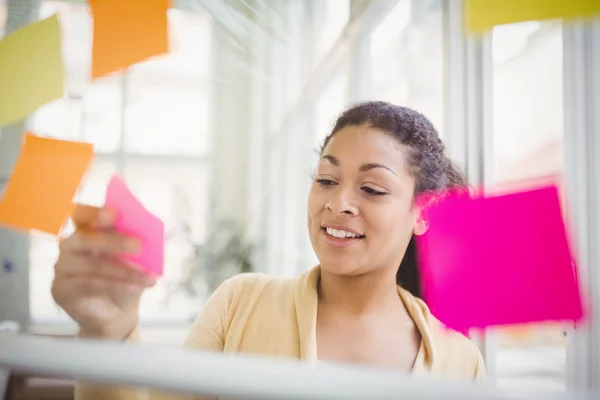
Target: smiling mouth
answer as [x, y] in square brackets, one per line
[341, 234]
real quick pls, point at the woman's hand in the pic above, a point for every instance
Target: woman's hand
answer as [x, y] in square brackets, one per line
[100, 292]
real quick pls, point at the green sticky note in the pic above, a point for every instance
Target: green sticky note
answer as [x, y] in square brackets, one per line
[31, 69]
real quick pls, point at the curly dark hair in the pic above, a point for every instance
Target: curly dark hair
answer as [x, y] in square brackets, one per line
[426, 161]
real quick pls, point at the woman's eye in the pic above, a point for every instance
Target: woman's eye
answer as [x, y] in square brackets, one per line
[325, 182]
[372, 191]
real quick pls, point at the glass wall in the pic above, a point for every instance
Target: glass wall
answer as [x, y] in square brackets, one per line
[331, 17]
[406, 60]
[527, 100]
[528, 144]
[149, 125]
[330, 103]
[154, 126]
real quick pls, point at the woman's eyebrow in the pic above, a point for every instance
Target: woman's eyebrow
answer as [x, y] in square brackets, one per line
[366, 167]
[370, 166]
[331, 159]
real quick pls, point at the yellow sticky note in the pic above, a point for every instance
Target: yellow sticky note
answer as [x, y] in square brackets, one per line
[39, 194]
[31, 69]
[482, 15]
[127, 32]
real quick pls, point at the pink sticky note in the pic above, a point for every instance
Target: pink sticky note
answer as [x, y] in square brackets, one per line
[133, 219]
[499, 260]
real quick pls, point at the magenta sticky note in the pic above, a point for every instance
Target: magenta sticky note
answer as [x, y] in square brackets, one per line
[133, 219]
[500, 260]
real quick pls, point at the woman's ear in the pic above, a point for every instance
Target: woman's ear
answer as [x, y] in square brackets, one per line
[421, 224]
[420, 206]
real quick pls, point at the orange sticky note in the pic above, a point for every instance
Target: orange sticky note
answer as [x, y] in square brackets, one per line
[40, 191]
[127, 32]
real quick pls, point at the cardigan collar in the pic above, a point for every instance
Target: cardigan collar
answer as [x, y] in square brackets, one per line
[306, 299]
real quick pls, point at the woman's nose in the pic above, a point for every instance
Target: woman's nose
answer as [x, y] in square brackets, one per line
[342, 203]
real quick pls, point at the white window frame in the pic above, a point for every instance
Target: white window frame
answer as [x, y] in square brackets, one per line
[581, 63]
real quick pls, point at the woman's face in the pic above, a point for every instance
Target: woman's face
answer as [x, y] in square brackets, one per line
[360, 212]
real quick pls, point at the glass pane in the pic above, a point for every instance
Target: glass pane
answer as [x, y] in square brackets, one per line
[93, 189]
[335, 17]
[166, 120]
[177, 192]
[167, 97]
[528, 100]
[330, 104]
[407, 58]
[91, 111]
[60, 119]
[76, 38]
[102, 118]
[189, 48]
[528, 132]
[43, 250]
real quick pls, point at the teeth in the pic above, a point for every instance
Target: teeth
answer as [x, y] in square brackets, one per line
[340, 234]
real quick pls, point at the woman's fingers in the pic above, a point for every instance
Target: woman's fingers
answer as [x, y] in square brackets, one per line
[87, 286]
[102, 267]
[98, 294]
[85, 216]
[89, 217]
[93, 253]
[93, 284]
[100, 242]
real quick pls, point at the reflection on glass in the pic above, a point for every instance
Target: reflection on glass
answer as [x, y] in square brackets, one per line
[528, 131]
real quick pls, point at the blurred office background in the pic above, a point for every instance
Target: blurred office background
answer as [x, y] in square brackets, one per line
[219, 137]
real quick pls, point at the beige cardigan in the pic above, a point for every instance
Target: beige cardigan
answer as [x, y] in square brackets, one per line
[258, 314]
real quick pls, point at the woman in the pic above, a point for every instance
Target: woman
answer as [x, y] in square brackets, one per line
[362, 218]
